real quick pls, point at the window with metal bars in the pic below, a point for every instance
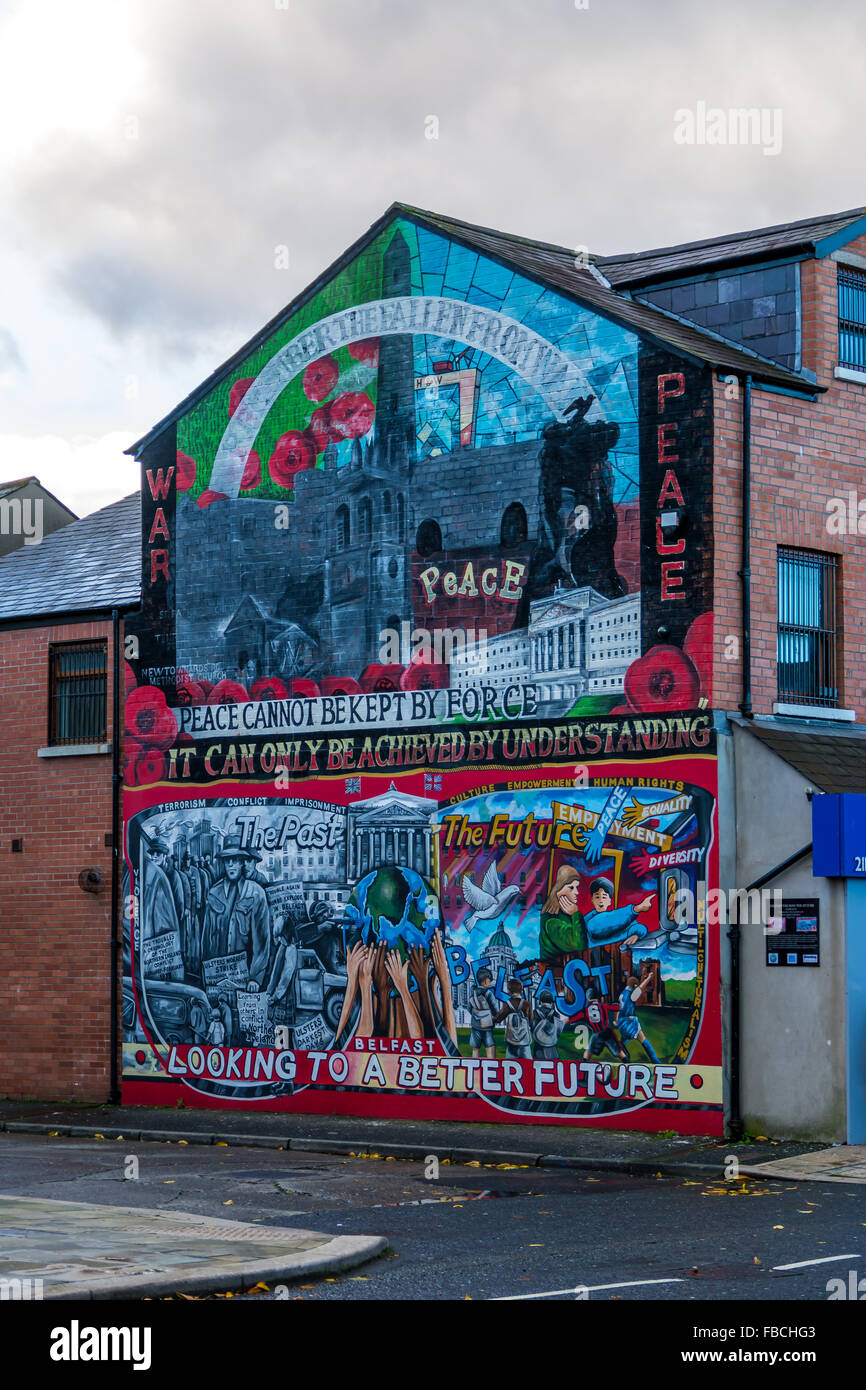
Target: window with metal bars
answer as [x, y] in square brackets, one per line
[77, 692]
[807, 632]
[851, 286]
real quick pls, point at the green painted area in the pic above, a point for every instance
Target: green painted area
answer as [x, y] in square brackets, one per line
[200, 431]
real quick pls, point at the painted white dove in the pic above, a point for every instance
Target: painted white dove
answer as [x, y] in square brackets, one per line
[490, 900]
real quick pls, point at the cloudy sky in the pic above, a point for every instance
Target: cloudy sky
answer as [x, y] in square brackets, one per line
[155, 154]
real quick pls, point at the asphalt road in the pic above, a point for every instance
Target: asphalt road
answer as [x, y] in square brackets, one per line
[483, 1232]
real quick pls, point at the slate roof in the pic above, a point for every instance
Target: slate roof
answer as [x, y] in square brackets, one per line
[7, 489]
[91, 565]
[831, 759]
[555, 266]
[552, 265]
[735, 248]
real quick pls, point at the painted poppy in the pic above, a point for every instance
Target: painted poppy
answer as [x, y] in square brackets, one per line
[339, 685]
[148, 719]
[366, 350]
[268, 688]
[252, 472]
[185, 471]
[207, 497]
[375, 678]
[238, 391]
[319, 428]
[663, 679]
[351, 415]
[293, 452]
[150, 767]
[188, 692]
[422, 674]
[320, 378]
[228, 693]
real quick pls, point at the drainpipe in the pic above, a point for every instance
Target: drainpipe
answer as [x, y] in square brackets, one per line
[736, 1119]
[115, 851]
[746, 571]
[735, 1122]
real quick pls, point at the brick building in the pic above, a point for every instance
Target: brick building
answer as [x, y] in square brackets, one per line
[57, 666]
[639, 477]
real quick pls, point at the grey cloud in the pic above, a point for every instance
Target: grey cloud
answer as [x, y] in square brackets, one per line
[261, 127]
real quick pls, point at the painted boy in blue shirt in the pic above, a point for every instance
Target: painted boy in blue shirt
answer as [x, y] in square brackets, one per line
[605, 924]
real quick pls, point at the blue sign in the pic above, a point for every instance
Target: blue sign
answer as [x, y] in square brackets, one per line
[839, 836]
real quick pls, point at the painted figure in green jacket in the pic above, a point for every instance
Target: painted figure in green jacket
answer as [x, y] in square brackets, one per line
[562, 925]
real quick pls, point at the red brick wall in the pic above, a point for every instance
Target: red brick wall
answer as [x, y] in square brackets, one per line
[54, 938]
[803, 454]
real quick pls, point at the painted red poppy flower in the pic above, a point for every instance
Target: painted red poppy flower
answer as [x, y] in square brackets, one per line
[228, 693]
[698, 646]
[339, 685]
[148, 719]
[381, 678]
[293, 452]
[150, 767]
[207, 686]
[663, 679]
[252, 472]
[132, 751]
[621, 709]
[351, 415]
[268, 688]
[309, 689]
[320, 378]
[189, 692]
[238, 391]
[320, 428]
[424, 675]
[207, 497]
[366, 350]
[130, 681]
[185, 471]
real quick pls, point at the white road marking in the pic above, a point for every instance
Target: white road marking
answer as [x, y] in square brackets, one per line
[824, 1260]
[587, 1288]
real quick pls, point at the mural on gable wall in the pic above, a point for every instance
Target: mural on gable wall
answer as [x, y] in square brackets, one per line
[470, 506]
[420, 779]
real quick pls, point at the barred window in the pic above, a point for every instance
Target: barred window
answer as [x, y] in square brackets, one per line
[77, 692]
[851, 287]
[807, 632]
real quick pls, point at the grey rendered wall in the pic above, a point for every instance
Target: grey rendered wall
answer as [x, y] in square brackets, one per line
[793, 1018]
[54, 515]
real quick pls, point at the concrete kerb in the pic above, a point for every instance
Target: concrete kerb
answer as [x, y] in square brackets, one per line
[360, 1148]
[339, 1254]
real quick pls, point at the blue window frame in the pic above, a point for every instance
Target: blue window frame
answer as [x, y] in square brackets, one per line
[852, 318]
[807, 627]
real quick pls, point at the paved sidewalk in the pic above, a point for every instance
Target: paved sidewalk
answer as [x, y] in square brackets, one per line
[79, 1250]
[569, 1146]
[843, 1163]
